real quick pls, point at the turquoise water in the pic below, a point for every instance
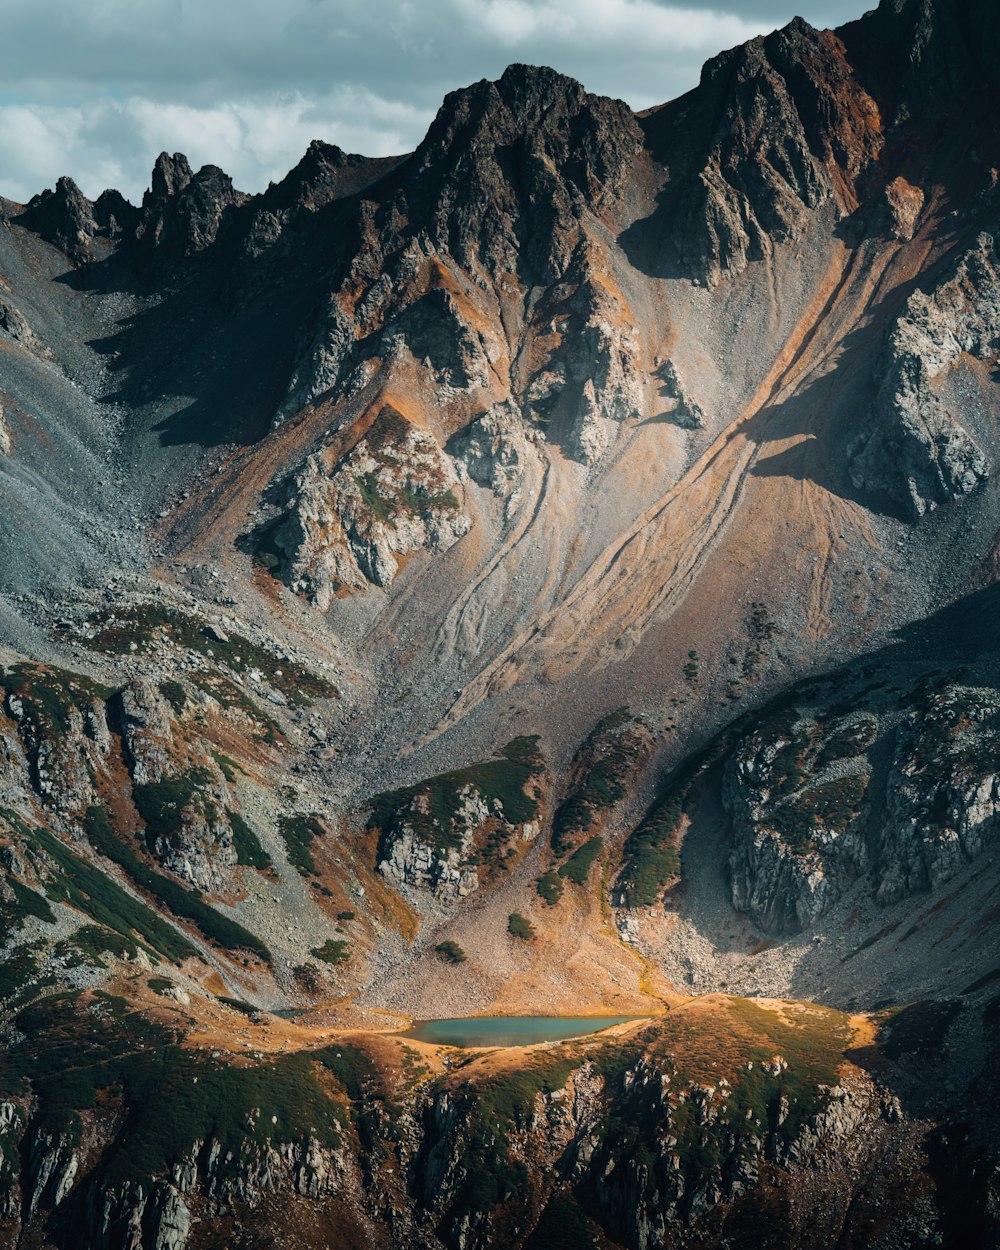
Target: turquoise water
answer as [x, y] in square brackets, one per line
[509, 1030]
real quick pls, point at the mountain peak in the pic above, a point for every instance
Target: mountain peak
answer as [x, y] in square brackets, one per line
[171, 174]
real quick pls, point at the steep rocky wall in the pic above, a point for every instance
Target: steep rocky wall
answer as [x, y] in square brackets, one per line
[915, 451]
[808, 822]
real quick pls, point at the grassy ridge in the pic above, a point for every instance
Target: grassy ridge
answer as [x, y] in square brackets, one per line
[75, 881]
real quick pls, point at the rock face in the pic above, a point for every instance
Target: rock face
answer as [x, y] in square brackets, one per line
[683, 410]
[795, 790]
[65, 218]
[643, 1200]
[6, 442]
[183, 213]
[444, 871]
[393, 494]
[15, 328]
[417, 853]
[497, 448]
[806, 824]
[916, 451]
[556, 1132]
[779, 128]
[147, 731]
[943, 800]
[63, 735]
[602, 356]
[508, 166]
[904, 203]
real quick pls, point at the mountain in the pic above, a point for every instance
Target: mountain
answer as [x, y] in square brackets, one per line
[552, 572]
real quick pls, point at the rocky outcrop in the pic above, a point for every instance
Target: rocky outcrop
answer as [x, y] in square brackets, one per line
[65, 218]
[805, 824]
[509, 167]
[706, 1146]
[445, 868]
[69, 221]
[183, 213]
[399, 304]
[795, 790]
[6, 442]
[914, 450]
[602, 356]
[15, 328]
[157, 1214]
[904, 204]
[349, 519]
[943, 793]
[63, 733]
[416, 853]
[682, 410]
[497, 195]
[146, 731]
[496, 450]
[778, 128]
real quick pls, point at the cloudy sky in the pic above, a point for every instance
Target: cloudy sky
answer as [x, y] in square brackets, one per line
[96, 88]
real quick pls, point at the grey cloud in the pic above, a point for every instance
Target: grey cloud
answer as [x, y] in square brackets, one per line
[95, 90]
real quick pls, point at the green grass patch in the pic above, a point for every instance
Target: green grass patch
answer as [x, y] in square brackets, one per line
[91, 942]
[651, 855]
[831, 806]
[229, 768]
[603, 763]
[496, 1108]
[162, 804]
[20, 976]
[233, 698]
[26, 902]
[82, 885]
[577, 867]
[549, 887]
[246, 844]
[74, 1057]
[49, 695]
[298, 833]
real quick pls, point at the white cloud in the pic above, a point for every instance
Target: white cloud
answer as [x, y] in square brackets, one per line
[113, 143]
[592, 23]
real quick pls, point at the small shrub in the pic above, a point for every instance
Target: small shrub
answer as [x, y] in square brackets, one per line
[307, 977]
[333, 952]
[549, 887]
[520, 927]
[451, 952]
